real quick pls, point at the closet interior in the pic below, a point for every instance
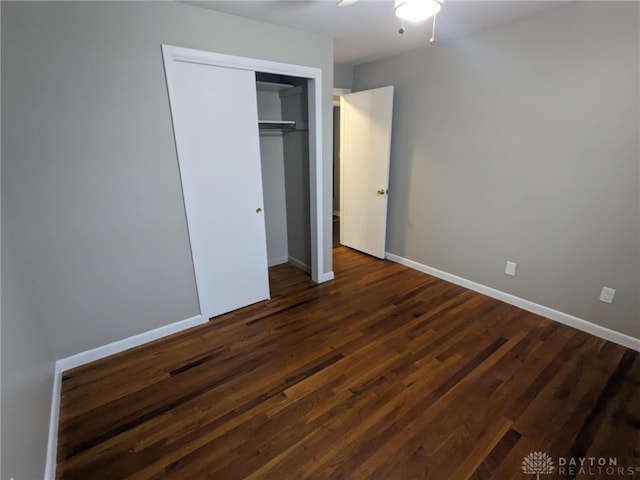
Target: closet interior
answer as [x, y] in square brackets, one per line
[284, 156]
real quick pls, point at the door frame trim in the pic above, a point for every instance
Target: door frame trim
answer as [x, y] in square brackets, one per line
[172, 53]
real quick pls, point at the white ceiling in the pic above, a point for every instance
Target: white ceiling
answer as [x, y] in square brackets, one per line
[368, 29]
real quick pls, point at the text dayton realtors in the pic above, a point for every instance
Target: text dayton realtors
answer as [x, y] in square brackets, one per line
[592, 466]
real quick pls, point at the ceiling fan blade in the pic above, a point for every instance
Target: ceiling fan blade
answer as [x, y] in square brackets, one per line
[346, 3]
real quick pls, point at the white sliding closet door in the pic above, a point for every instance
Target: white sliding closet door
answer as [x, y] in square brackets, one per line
[215, 119]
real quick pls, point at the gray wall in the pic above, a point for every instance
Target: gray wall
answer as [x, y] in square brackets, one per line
[88, 154]
[27, 366]
[26, 363]
[521, 143]
[296, 174]
[343, 76]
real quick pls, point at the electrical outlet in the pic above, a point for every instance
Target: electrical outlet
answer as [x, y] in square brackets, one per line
[607, 295]
[511, 269]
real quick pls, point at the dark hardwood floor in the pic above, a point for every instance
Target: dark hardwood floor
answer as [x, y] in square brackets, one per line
[384, 373]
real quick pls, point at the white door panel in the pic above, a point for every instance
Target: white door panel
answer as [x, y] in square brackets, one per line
[216, 127]
[366, 145]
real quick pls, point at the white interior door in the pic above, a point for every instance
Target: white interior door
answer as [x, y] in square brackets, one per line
[215, 120]
[365, 152]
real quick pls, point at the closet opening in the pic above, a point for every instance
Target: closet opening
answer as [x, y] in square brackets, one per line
[213, 100]
[284, 157]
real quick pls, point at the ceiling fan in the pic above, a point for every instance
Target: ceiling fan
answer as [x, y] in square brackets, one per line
[412, 11]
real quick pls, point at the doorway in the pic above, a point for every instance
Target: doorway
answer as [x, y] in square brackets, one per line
[362, 158]
[337, 139]
[336, 173]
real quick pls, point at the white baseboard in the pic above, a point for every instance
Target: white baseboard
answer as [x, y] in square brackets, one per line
[126, 343]
[561, 317]
[54, 416]
[277, 261]
[300, 264]
[88, 356]
[325, 277]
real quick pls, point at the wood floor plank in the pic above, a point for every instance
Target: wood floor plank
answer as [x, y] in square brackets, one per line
[384, 372]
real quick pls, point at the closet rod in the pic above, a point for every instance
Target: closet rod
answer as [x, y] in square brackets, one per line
[277, 124]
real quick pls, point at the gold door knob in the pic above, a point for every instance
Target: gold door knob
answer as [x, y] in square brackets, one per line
[258, 210]
[381, 191]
